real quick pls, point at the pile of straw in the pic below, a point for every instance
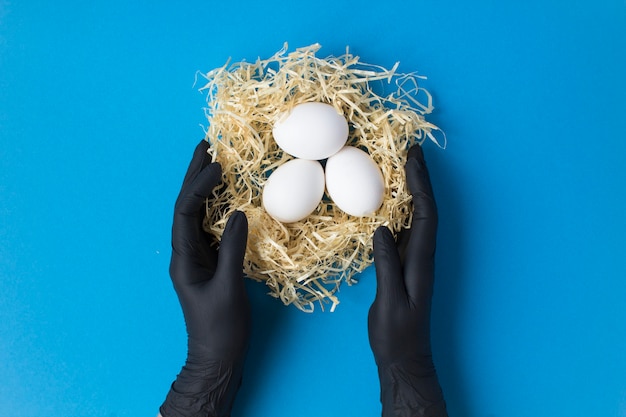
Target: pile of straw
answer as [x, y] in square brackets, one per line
[305, 262]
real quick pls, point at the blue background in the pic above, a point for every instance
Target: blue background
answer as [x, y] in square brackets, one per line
[99, 116]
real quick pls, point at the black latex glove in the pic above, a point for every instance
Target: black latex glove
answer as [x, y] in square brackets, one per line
[399, 318]
[210, 288]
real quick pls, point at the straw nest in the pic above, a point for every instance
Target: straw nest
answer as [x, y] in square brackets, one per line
[305, 262]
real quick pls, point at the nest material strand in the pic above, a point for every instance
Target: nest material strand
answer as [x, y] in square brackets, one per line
[306, 261]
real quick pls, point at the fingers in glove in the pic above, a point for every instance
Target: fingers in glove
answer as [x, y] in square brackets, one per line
[198, 162]
[389, 277]
[192, 200]
[420, 187]
[233, 249]
[188, 236]
[424, 207]
[417, 153]
[420, 246]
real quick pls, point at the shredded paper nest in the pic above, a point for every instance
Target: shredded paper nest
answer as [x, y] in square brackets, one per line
[305, 262]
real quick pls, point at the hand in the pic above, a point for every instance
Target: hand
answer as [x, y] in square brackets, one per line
[210, 288]
[399, 318]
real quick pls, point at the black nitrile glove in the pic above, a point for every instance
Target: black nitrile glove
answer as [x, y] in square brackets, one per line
[210, 288]
[399, 318]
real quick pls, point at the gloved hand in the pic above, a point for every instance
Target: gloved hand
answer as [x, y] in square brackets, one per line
[399, 318]
[210, 288]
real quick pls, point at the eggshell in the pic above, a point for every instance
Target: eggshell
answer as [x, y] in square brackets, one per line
[354, 182]
[312, 131]
[294, 190]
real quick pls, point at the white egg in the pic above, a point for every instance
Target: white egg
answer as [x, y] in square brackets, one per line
[312, 131]
[294, 190]
[354, 182]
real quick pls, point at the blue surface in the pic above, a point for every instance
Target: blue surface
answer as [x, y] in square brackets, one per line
[98, 119]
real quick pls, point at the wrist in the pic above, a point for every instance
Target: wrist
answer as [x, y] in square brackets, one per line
[203, 388]
[410, 388]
